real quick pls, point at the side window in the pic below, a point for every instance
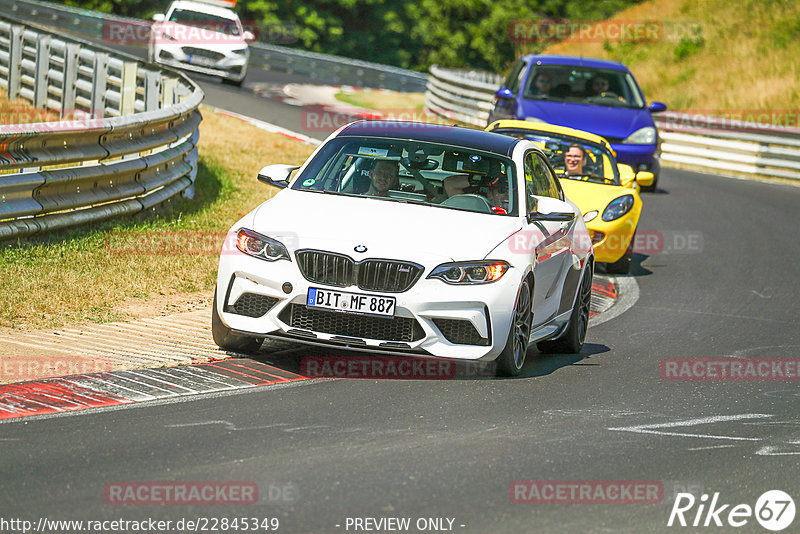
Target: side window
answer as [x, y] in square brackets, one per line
[551, 186]
[514, 77]
[540, 183]
[530, 180]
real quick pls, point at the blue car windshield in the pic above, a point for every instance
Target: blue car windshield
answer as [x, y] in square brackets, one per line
[583, 85]
[403, 170]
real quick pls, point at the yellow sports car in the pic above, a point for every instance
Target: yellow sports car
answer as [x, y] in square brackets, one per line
[606, 192]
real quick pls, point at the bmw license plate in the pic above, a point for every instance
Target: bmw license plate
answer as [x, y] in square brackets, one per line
[350, 302]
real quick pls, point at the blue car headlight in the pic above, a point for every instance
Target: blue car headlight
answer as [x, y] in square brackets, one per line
[474, 272]
[618, 207]
[642, 136]
[260, 246]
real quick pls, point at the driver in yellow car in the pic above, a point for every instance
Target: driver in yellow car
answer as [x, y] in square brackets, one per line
[574, 159]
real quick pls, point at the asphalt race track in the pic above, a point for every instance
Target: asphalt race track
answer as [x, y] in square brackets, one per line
[323, 451]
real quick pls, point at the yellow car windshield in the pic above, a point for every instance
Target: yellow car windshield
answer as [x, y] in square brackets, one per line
[572, 157]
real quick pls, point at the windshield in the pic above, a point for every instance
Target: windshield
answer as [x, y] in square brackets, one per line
[583, 85]
[572, 157]
[441, 176]
[215, 23]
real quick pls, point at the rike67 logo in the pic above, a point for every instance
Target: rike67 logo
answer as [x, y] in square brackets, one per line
[774, 510]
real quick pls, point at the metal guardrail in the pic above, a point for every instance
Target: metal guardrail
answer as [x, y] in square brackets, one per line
[463, 95]
[128, 140]
[708, 143]
[720, 144]
[321, 67]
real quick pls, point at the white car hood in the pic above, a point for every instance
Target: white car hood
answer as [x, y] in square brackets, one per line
[391, 230]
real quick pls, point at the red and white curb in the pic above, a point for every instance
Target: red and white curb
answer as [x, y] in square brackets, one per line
[81, 392]
[182, 338]
[611, 297]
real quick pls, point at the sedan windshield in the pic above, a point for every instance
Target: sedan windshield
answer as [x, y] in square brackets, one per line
[583, 85]
[206, 21]
[572, 157]
[430, 174]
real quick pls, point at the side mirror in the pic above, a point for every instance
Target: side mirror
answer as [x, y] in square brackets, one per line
[159, 17]
[504, 93]
[645, 178]
[657, 107]
[626, 174]
[276, 175]
[555, 216]
[248, 36]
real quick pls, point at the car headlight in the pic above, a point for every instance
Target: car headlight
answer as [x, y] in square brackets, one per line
[474, 272]
[261, 247]
[589, 215]
[642, 136]
[618, 207]
[240, 51]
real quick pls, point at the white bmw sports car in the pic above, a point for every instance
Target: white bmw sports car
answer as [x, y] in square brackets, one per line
[413, 239]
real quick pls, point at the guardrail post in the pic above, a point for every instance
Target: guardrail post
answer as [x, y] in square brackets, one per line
[70, 78]
[42, 66]
[14, 61]
[127, 96]
[152, 88]
[99, 84]
[168, 86]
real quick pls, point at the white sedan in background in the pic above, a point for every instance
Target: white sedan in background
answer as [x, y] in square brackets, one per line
[203, 36]
[413, 239]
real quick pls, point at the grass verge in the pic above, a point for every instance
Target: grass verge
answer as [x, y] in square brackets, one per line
[82, 275]
[383, 100]
[20, 111]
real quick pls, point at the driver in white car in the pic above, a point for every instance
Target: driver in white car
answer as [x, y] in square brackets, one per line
[385, 176]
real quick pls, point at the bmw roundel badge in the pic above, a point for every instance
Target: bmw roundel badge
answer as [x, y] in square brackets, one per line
[360, 248]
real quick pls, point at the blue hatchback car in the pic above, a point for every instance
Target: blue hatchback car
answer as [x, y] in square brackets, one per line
[593, 95]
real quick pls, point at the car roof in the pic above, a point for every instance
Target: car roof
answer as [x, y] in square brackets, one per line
[552, 59]
[202, 7]
[552, 128]
[433, 133]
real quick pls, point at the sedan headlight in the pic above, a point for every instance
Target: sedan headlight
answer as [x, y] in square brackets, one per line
[240, 51]
[589, 215]
[618, 207]
[261, 247]
[642, 136]
[476, 272]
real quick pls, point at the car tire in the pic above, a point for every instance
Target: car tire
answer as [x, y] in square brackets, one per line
[623, 265]
[226, 339]
[571, 341]
[511, 360]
